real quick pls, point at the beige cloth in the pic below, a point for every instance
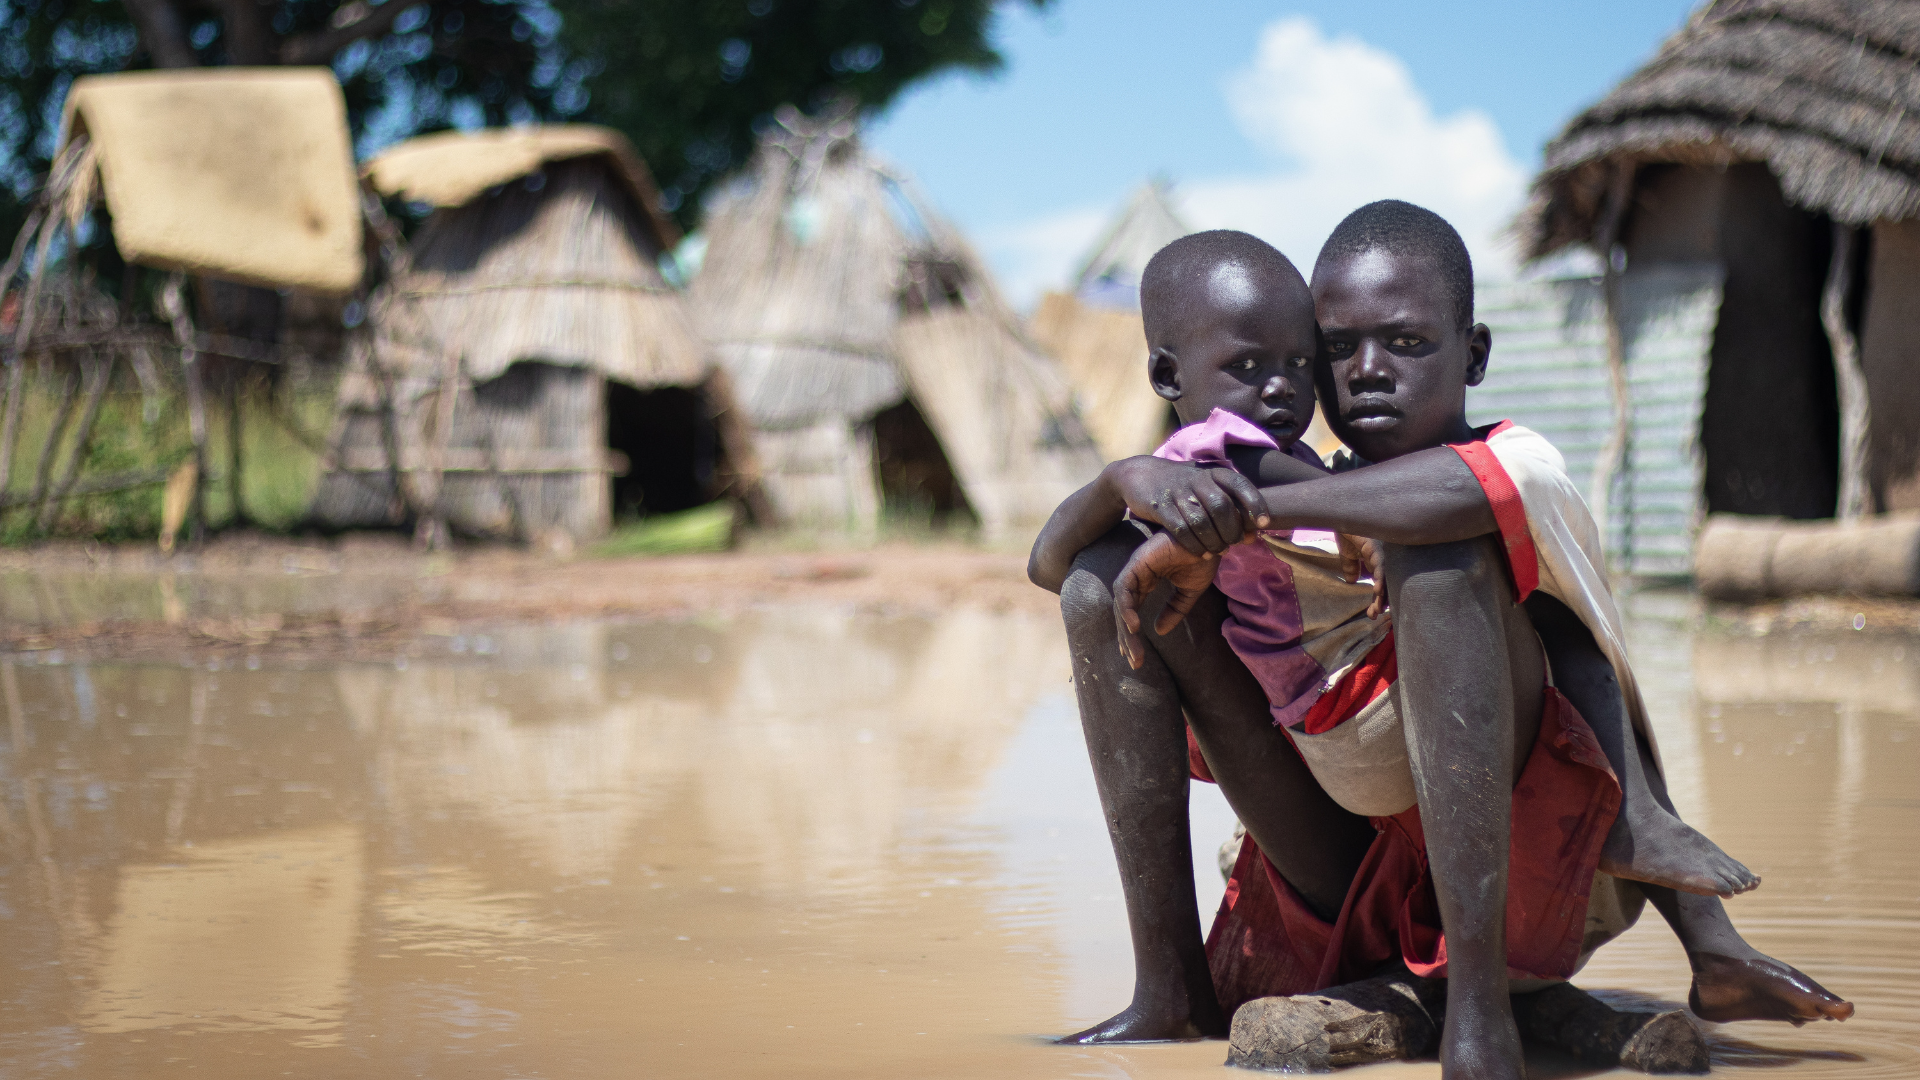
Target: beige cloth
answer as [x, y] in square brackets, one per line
[244, 174]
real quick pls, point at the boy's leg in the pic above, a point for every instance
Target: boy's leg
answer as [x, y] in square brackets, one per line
[1647, 843]
[1136, 739]
[1470, 686]
[1732, 980]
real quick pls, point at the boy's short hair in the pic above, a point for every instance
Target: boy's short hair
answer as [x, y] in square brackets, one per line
[1401, 228]
[1195, 255]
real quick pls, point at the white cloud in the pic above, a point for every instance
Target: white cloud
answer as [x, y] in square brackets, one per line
[1345, 125]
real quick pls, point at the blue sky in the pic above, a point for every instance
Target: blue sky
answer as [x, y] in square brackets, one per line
[1272, 117]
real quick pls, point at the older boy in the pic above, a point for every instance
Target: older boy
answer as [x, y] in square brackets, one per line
[1393, 292]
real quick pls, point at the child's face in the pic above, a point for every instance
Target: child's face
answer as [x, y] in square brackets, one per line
[1395, 361]
[1243, 341]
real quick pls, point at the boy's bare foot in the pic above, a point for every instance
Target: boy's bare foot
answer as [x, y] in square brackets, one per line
[1653, 846]
[1138, 1024]
[1758, 987]
[1480, 1043]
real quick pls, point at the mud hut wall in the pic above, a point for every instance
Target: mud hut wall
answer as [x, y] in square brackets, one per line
[822, 476]
[1104, 353]
[1770, 424]
[1890, 355]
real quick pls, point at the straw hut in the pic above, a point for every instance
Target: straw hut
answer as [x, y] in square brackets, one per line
[1774, 145]
[240, 177]
[871, 351]
[1094, 327]
[529, 368]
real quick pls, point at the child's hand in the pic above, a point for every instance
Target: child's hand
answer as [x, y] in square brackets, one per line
[1360, 557]
[1157, 560]
[1205, 510]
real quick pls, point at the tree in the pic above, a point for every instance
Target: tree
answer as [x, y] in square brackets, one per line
[687, 80]
[691, 81]
[405, 66]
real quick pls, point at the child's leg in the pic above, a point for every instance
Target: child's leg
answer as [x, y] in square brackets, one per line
[1647, 842]
[1135, 737]
[1470, 685]
[1732, 980]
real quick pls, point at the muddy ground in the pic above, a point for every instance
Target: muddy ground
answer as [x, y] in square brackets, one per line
[373, 597]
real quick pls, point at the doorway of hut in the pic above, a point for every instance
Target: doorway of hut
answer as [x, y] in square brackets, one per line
[1770, 421]
[673, 450]
[918, 488]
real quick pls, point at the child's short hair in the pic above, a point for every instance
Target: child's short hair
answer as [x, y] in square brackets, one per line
[1401, 228]
[1196, 255]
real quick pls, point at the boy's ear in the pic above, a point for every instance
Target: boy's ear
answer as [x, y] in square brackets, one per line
[1479, 348]
[1163, 371]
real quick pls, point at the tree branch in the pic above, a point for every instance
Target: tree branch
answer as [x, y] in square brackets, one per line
[368, 22]
[249, 40]
[162, 32]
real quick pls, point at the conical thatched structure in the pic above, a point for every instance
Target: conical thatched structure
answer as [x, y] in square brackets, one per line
[870, 349]
[1096, 332]
[1780, 141]
[529, 349]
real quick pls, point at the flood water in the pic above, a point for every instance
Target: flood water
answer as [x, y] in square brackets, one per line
[797, 843]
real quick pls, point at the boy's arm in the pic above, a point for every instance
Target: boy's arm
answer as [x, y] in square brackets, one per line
[1426, 497]
[1204, 510]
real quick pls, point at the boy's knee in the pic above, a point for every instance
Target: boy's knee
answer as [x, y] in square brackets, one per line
[1086, 597]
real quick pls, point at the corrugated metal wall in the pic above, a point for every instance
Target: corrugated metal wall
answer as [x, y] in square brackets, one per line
[1549, 373]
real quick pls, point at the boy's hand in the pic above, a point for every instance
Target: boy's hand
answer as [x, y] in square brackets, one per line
[1360, 557]
[1206, 510]
[1157, 560]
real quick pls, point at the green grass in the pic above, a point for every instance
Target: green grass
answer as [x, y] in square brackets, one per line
[278, 473]
[704, 528]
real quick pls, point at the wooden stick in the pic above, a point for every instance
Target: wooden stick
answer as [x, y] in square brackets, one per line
[238, 516]
[97, 485]
[1851, 382]
[43, 469]
[173, 302]
[16, 372]
[99, 373]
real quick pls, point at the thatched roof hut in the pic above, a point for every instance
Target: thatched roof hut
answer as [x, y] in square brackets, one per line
[528, 350]
[1096, 332]
[870, 349]
[1778, 140]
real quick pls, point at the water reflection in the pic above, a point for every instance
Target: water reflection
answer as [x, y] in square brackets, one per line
[802, 842]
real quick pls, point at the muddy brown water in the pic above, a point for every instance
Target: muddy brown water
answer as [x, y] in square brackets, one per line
[801, 842]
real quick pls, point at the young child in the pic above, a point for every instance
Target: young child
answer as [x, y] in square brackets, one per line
[1450, 610]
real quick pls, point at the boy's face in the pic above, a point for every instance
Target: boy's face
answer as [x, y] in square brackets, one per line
[1241, 340]
[1395, 361]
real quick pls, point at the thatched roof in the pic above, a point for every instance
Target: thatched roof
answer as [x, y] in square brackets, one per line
[831, 291]
[1825, 92]
[453, 168]
[1119, 259]
[244, 174]
[562, 271]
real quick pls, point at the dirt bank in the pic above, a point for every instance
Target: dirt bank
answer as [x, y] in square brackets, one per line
[373, 597]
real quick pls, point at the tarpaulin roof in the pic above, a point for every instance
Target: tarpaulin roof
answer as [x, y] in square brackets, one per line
[453, 168]
[237, 173]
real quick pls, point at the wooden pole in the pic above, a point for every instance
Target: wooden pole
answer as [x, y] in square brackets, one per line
[50, 447]
[173, 302]
[99, 374]
[234, 450]
[1851, 382]
[1613, 452]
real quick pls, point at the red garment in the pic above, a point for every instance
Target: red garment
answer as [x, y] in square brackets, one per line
[1267, 941]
